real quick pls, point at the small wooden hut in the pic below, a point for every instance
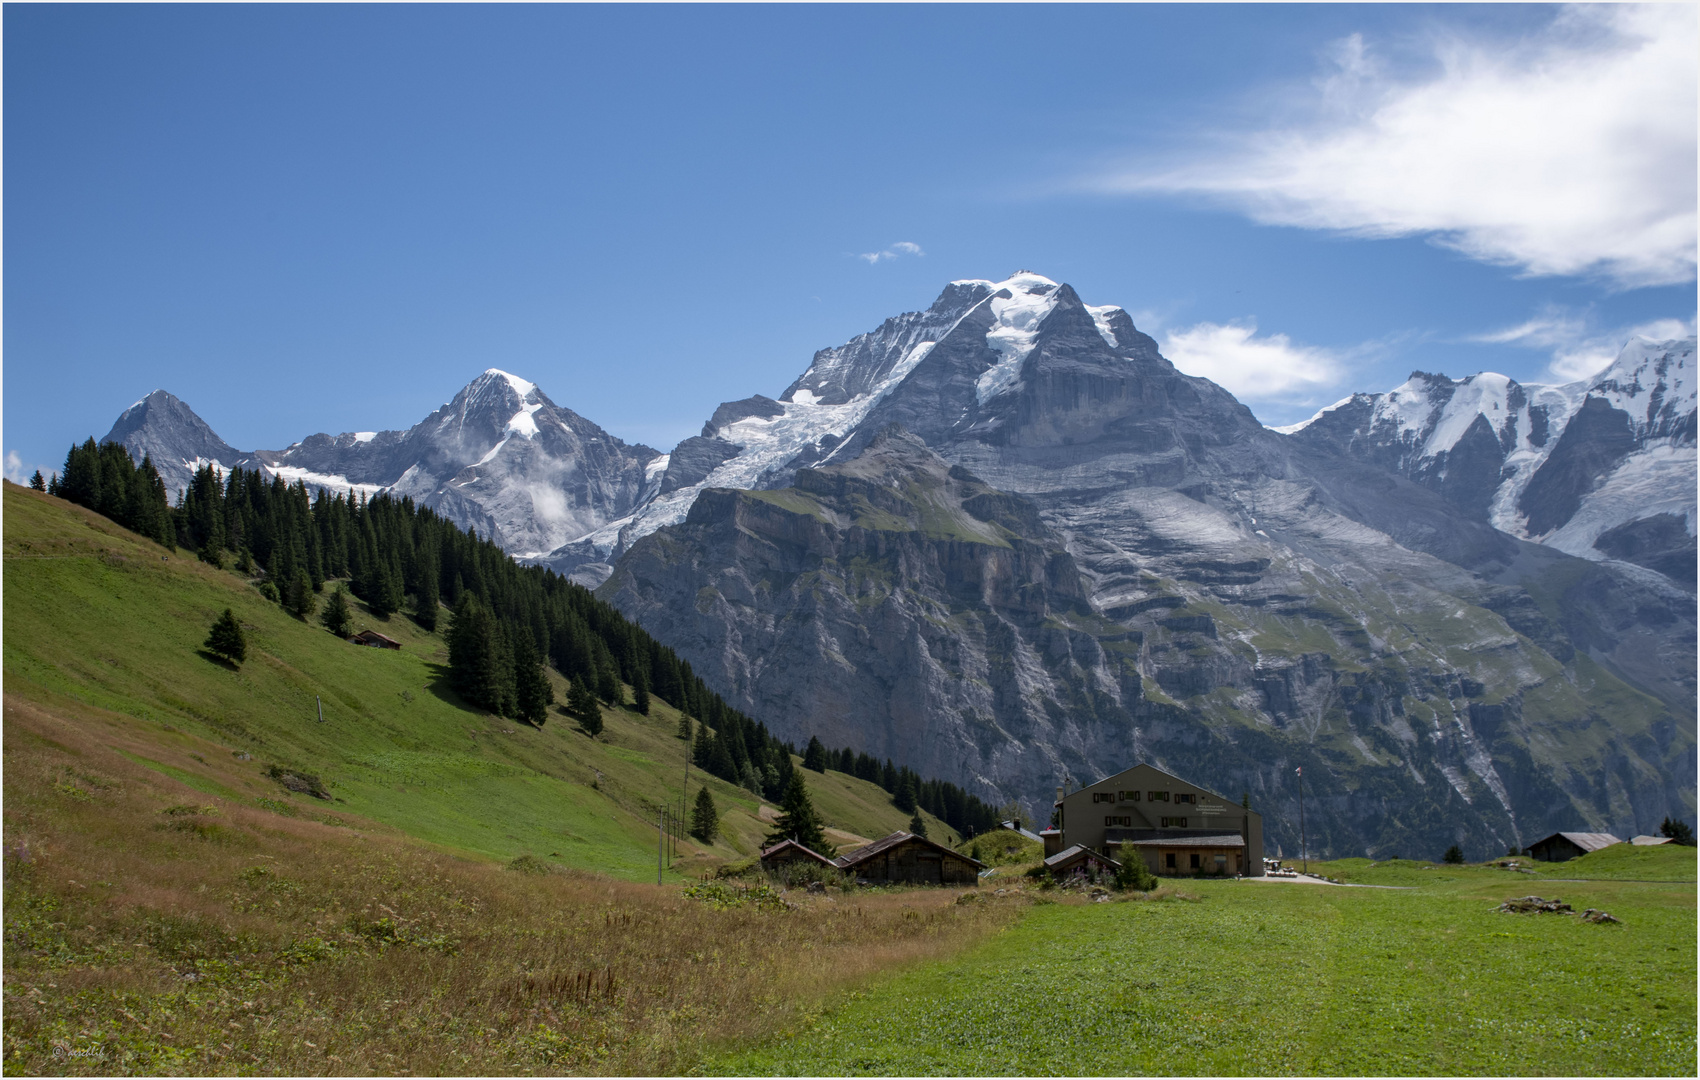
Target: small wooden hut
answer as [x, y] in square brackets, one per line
[787, 852]
[375, 640]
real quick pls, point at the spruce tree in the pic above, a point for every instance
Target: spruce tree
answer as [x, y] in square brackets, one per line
[337, 617]
[906, 797]
[815, 756]
[917, 825]
[798, 820]
[298, 595]
[531, 685]
[640, 693]
[37, 483]
[475, 656]
[705, 819]
[226, 639]
[685, 731]
[1454, 854]
[582, 704]
[426, 602]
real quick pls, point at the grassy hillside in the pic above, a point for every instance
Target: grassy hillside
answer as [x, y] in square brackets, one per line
[106, 627]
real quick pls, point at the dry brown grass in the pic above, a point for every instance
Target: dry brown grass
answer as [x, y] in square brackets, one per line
[221, 938]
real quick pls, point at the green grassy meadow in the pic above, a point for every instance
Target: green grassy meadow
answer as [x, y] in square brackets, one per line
[1248, 978]
[104, 624]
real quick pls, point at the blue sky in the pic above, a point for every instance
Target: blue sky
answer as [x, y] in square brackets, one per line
[326, 217]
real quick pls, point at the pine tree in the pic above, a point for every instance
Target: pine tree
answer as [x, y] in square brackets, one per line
[226, 639]
[37, 483]
[583, 706]
[337, 617]
[476, 657]
[1454, 854]
[298, 598]
[1678, 830]
[640, 693]
[815, 756]
[685, 731]
[798, 820]
[906, 797]
[531, 686]
[705, 819]
[917, 825]
[426, 602]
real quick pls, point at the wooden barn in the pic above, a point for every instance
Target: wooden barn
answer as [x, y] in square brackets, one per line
[1564, 846]
[787, 852]
[375, 640]
[1081, 860]
[905, 857]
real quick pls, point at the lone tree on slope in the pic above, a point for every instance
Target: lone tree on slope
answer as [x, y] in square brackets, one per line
[705, 819]
[917, 826]
[226, 639]
[799, 821]
[583, 707]
[338, 619]
[1454, 855]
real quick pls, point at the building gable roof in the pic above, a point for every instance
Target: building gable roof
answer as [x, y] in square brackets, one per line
[1077, 853]
[1126, 774]
[1587, 841]
[897, 839]
[785, 845]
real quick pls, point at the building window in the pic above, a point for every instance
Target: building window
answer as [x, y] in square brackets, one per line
[1130, 796]
[1195, 862]
[1159, 796]
[1169, 861]
[1103, 796]
[1186, 797]
[1123, 821]
[1174, 823]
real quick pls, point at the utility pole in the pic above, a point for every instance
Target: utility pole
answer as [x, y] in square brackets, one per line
[1304, 846]
[660, 843]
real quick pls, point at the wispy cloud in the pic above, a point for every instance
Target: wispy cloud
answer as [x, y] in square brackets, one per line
[15, 467]
[1571, 152]
[901, 248]
[1267, 368]
[1578, 346]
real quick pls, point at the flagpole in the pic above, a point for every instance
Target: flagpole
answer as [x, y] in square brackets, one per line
[1304, 846]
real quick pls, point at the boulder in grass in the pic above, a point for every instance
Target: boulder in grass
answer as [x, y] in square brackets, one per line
[1534, 905]
[1594, 915]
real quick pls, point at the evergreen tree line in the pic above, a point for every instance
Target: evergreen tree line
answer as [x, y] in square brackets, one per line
[507, 619]
[107, 481]
[965, 813]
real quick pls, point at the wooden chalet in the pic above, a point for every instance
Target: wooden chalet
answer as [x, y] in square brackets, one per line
[375, 640]
[787, 852]
[905, 857]
[1564, 846]
[1081, 860]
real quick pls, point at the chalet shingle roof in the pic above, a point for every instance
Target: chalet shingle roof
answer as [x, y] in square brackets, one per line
[1176, 839]
[886, 843]
[791, 845]
[1069, 856]
[1587, 841]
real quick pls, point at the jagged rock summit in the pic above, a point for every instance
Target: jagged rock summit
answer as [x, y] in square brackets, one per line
[500, 457]
[164, 428]
[1599, 468]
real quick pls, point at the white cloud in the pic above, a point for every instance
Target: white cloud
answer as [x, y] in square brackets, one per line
[1579, 348]
[1252, 368]
[1570, 152]
[15, 468]
[902, 247]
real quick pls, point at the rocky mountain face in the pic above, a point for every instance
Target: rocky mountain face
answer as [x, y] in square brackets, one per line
[1254, 601]
[500, 458]
[1003, 540]
[1601, 468]
[162, 427]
